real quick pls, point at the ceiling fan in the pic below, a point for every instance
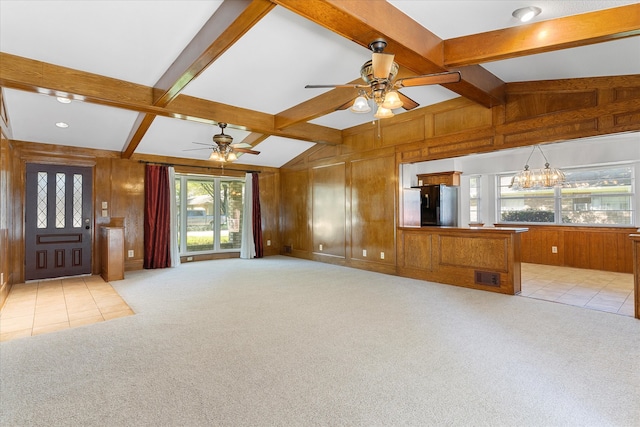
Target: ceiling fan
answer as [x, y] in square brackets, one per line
[379, 74]
[224, 150]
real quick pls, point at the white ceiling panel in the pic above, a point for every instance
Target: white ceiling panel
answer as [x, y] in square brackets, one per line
[275, 151]
[268, 68]
[448, 19]
[134, 40]
[33, 117]
[175, 138]
[604, 59]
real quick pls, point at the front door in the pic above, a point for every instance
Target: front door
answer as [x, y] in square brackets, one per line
[58, 221]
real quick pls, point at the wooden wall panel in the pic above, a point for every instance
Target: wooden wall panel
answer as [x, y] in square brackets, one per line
[404, 132]
[596, 248]
[329, 203]
[373, 209]
[295, 217]
[489, 253]
[6, 217]
[469, 117]
[127, 201]
[416, 250]
[269, 208]
[526, 105]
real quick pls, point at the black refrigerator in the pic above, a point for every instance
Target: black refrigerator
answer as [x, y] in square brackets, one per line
[438, 205]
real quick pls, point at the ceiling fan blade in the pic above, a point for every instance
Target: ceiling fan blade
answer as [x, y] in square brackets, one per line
[331, 86]
[382, 63]
[407, 103]
[196, 149]
[245, 150]
[430, 79]
[236, 145]
[208, 144]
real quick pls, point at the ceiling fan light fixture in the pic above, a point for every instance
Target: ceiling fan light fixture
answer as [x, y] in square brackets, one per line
[360, 105]
[232, 156]
[383, 113]
[526, 14]
[391, 100]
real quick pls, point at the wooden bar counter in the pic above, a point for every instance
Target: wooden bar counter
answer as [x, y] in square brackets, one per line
[636, 273]
[486, 258]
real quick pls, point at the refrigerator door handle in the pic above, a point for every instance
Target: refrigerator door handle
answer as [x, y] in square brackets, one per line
[426, 198]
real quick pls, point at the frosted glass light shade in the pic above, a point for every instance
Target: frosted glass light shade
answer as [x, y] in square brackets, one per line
[383, 113]
[392, 100]
[360, 105]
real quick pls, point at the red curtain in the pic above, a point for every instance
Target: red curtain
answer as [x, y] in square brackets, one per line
[257, 218]
[157, 220]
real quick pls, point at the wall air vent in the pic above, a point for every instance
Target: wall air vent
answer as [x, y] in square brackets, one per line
[487, 278]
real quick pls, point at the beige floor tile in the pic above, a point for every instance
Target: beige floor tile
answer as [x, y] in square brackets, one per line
[85, 321]
[6, 336]
[49, 318]
[14, 324]
[50, 328]
[117, 314]
[93, 312]
[45, 306]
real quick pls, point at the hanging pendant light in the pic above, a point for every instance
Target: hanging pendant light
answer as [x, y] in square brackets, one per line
[538, 178]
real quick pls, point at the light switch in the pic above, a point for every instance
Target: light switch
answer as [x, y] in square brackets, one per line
[105, 205]
[105, 213]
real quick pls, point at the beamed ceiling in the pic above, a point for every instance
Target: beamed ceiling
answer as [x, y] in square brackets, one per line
[151, 78]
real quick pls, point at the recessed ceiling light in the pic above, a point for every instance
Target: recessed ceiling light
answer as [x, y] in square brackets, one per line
[526, 14]
[63, 100]
[62, 125]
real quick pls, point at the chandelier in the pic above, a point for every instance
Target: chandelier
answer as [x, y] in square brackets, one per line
[537, 178]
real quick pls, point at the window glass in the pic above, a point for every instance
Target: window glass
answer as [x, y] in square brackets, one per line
[589, 196]
[474, 199]
[210, 213]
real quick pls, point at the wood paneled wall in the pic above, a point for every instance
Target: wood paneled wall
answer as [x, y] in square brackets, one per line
[120, 183]
[597, 248]
[535, 112]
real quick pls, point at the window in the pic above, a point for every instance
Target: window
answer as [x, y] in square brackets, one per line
[590, 196]
[210, 213]
[474, 199]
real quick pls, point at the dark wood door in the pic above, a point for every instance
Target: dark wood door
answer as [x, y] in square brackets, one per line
[59, 221]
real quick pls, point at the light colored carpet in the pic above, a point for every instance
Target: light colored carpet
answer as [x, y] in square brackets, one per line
[283, 341]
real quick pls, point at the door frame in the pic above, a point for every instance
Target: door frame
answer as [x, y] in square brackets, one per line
[42, 157]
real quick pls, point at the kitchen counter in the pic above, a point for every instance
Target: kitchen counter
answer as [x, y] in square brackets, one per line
[486, 258]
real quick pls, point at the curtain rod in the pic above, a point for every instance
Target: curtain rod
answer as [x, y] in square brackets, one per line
[196, 166]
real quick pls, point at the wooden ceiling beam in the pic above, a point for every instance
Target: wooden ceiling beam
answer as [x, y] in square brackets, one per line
[546, 36]
[230, 21]
[315, 107]
[415, 47]
[40, 77]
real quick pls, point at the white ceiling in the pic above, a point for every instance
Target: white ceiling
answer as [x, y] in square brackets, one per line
[265, 70]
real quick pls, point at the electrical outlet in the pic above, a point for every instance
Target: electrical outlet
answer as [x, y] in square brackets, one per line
[268, 242]
[554, 249]
[320, 246]
[381, 255]
[189, 258]
[364, 252]
[130, 253]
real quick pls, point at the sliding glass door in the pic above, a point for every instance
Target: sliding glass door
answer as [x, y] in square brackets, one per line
[209, 213]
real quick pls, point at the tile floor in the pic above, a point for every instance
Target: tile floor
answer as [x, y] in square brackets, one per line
[592, 289]
[45, 306]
